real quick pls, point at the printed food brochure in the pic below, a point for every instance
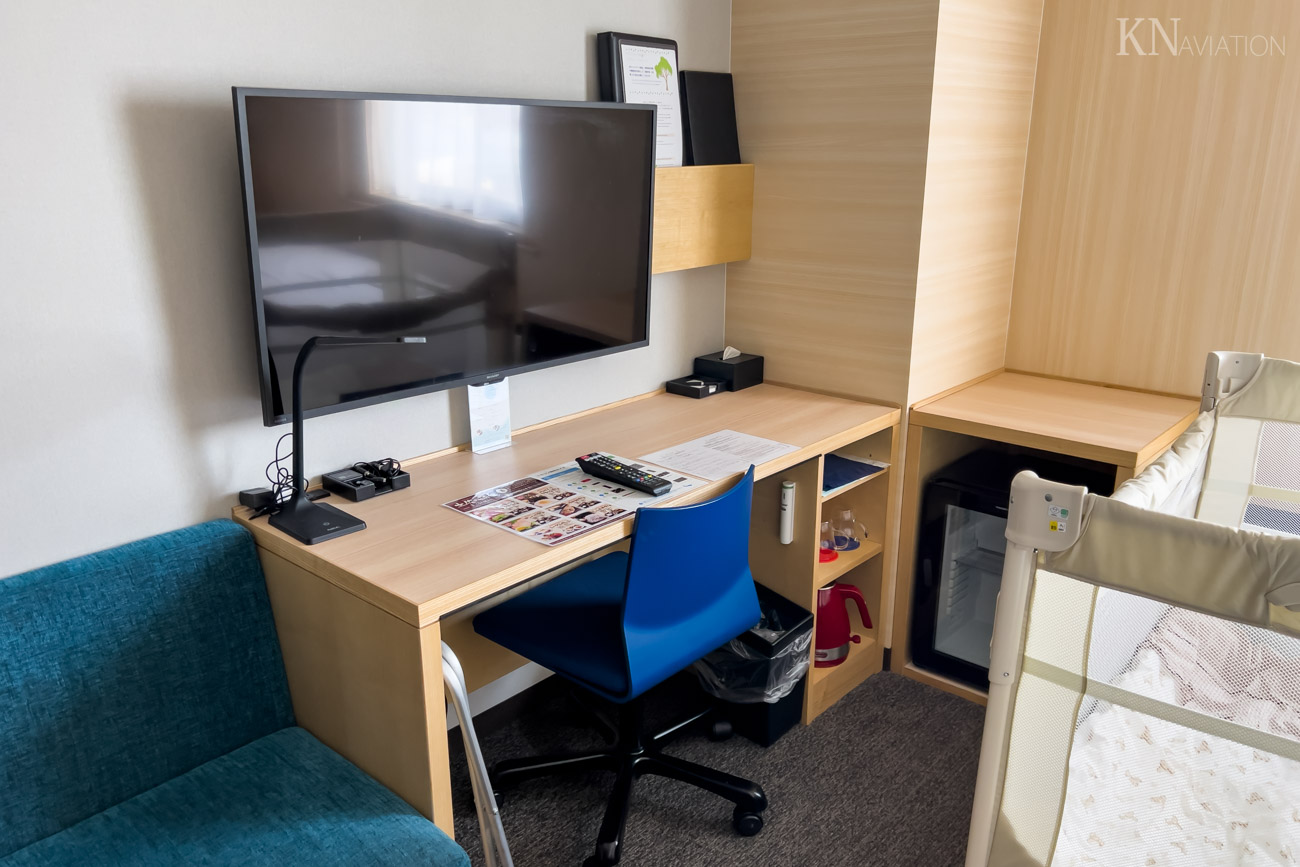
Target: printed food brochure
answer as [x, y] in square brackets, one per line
[562, 502]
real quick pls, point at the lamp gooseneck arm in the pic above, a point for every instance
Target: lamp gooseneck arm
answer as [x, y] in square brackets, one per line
[299, 474]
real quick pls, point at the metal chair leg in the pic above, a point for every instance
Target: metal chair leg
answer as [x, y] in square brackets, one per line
[496, 852]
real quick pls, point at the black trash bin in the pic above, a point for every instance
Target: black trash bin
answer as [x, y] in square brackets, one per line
[758, 678]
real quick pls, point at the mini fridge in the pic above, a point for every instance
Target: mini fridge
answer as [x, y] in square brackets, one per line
[960, 547]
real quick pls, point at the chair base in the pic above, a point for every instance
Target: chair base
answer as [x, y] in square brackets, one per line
[631, 756]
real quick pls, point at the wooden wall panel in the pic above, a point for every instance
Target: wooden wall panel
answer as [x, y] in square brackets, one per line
[985, 59]
[1161, 213]
[833, 107]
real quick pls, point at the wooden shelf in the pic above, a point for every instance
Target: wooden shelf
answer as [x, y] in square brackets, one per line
[844, 489]
[825, 573]
[1113, 425]
[704, 215]
[829, 685]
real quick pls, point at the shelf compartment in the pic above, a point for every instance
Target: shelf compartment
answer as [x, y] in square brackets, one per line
[825, 573]
[704, 215]
[844, 489]
[829, 685]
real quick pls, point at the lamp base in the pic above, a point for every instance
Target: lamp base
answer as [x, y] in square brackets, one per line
[310, 522]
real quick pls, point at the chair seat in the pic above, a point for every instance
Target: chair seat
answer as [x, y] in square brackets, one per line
[283, 799]
[572, 625]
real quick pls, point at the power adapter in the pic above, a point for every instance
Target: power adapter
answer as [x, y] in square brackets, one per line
[257, 498]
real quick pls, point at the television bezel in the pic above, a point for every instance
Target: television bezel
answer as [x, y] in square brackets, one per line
[269, 419]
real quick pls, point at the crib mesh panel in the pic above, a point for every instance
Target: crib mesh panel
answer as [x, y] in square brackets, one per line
[1276, 465]
[1274, 516]
[1188, 754]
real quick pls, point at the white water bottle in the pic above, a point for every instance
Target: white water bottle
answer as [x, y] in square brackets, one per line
[787, 513]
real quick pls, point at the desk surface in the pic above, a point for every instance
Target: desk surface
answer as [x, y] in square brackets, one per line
[1113, 425]
[419, 560]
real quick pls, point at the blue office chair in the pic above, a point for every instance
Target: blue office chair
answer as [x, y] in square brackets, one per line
[623, 623]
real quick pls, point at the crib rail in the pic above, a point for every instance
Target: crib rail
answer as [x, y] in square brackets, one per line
[1034, 523]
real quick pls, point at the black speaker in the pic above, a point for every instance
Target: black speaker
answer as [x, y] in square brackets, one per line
[708, 119]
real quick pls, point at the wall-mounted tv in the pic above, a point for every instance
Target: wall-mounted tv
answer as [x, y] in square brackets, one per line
[512, 234]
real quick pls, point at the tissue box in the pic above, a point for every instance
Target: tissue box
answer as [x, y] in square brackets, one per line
[739, 372]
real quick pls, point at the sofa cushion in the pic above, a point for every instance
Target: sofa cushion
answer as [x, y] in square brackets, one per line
[283, 799]
[122, 669]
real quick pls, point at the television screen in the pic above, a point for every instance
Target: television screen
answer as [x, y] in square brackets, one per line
[513, 235]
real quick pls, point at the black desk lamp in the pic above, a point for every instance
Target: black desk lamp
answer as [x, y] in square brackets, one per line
[300, 518]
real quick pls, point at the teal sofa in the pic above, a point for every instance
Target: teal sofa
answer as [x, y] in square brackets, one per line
[145, 720]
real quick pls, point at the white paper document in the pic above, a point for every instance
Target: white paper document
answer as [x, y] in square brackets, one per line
[720, 454]
[650, 76]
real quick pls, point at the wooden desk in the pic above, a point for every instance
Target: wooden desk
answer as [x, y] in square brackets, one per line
[361, 617]
[1123, 429]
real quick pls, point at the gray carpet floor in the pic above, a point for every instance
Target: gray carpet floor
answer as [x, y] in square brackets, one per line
[883, 778]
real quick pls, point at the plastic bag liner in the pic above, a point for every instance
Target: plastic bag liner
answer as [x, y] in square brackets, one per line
[743, 674]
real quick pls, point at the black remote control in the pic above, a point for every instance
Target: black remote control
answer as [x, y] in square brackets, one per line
[611, 470]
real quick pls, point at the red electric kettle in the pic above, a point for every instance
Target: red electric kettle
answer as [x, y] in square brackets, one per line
[833, 631]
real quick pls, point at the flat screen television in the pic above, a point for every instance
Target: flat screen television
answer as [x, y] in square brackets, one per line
[512, 234]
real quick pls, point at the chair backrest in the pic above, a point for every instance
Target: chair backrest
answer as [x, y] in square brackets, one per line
[123, 669]
[689, 588]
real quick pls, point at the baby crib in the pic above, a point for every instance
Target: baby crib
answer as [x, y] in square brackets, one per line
[1144, 695]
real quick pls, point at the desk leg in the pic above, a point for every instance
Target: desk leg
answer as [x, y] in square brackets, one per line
[366, 683]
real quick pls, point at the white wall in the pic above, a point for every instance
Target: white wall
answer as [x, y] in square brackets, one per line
[130, 401]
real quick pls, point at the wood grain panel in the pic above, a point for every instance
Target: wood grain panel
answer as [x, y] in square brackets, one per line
[985, 58]
[1160, 207]
[368, 685]
[833, 107]
[787, 569]
[703, 216]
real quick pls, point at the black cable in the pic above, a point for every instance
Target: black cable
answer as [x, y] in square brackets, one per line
[282, 483]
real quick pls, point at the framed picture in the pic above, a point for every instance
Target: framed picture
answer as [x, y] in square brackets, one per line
[643, 69]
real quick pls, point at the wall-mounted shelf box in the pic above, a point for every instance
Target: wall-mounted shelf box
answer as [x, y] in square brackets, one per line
[703, 216]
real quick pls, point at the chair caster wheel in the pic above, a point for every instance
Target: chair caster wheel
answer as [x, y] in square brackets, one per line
[499, 797]
[720, 730]
[606, 855]
[746, 824]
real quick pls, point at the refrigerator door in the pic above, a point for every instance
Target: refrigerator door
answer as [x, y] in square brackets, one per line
[970, 575]
[959, 573]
